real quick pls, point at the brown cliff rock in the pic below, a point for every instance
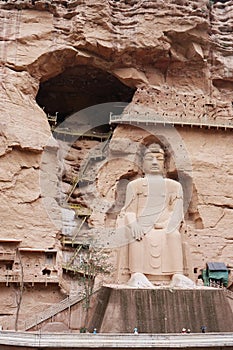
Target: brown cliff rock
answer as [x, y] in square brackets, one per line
[169, 58]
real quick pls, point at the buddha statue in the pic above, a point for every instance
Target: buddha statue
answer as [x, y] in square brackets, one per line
[152, 215]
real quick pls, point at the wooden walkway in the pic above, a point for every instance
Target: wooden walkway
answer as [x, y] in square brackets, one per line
[156, 119]
[63, 132]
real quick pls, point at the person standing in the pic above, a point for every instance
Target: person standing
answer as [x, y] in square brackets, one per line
[203, 329]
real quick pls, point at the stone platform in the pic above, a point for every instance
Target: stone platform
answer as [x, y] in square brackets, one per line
[63, 341]
[160, 310]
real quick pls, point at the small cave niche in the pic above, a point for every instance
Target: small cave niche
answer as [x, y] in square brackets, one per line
[224, 86]
[221, 1]
[193, 215]
[80, 87]
[46, 272]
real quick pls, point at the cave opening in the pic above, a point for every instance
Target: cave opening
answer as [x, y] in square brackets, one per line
[80, 87]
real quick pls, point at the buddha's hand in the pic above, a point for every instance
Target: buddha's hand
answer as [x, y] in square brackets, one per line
[137, 231]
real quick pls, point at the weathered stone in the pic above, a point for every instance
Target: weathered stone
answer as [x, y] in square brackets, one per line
[180, 72]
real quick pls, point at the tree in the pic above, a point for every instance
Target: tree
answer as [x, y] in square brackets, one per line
[87, 263]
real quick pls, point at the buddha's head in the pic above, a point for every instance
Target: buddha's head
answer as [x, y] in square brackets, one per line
[153, 160]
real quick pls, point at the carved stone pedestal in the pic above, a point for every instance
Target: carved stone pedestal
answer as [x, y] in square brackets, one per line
[160, 310]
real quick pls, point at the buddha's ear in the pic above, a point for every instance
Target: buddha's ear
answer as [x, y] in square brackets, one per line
[164, 170]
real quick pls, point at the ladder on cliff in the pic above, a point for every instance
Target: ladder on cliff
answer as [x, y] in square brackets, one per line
[96, 155]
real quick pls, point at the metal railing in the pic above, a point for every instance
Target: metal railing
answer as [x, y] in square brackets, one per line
[7, 256]
[79, 209]
[156, 118]
[15, 277]
[77, 133]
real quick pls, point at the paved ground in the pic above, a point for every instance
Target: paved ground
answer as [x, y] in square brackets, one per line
[78, 341]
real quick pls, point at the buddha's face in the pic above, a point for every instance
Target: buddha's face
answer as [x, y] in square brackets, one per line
[153, 163]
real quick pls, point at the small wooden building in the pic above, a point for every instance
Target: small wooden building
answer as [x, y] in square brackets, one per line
[215, 272]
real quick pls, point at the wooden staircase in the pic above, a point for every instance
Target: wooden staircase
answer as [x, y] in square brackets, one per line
[83, 176]
[52, 311]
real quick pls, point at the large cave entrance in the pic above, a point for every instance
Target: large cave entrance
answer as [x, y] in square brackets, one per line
[80, 87]
[82, 97]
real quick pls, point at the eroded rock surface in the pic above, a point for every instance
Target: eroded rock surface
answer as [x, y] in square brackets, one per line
[174, 59]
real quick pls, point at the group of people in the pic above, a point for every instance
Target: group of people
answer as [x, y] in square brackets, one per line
[188, 331]
[185, 331]
[135, 331]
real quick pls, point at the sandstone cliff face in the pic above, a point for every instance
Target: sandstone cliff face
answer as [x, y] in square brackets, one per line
[172, 57]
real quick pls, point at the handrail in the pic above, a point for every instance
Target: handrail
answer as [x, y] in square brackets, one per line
[7, 255]
[80, 210]
[15, 277]
[53, 310]
[69, 131]
[79, 229]
[158, 119]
